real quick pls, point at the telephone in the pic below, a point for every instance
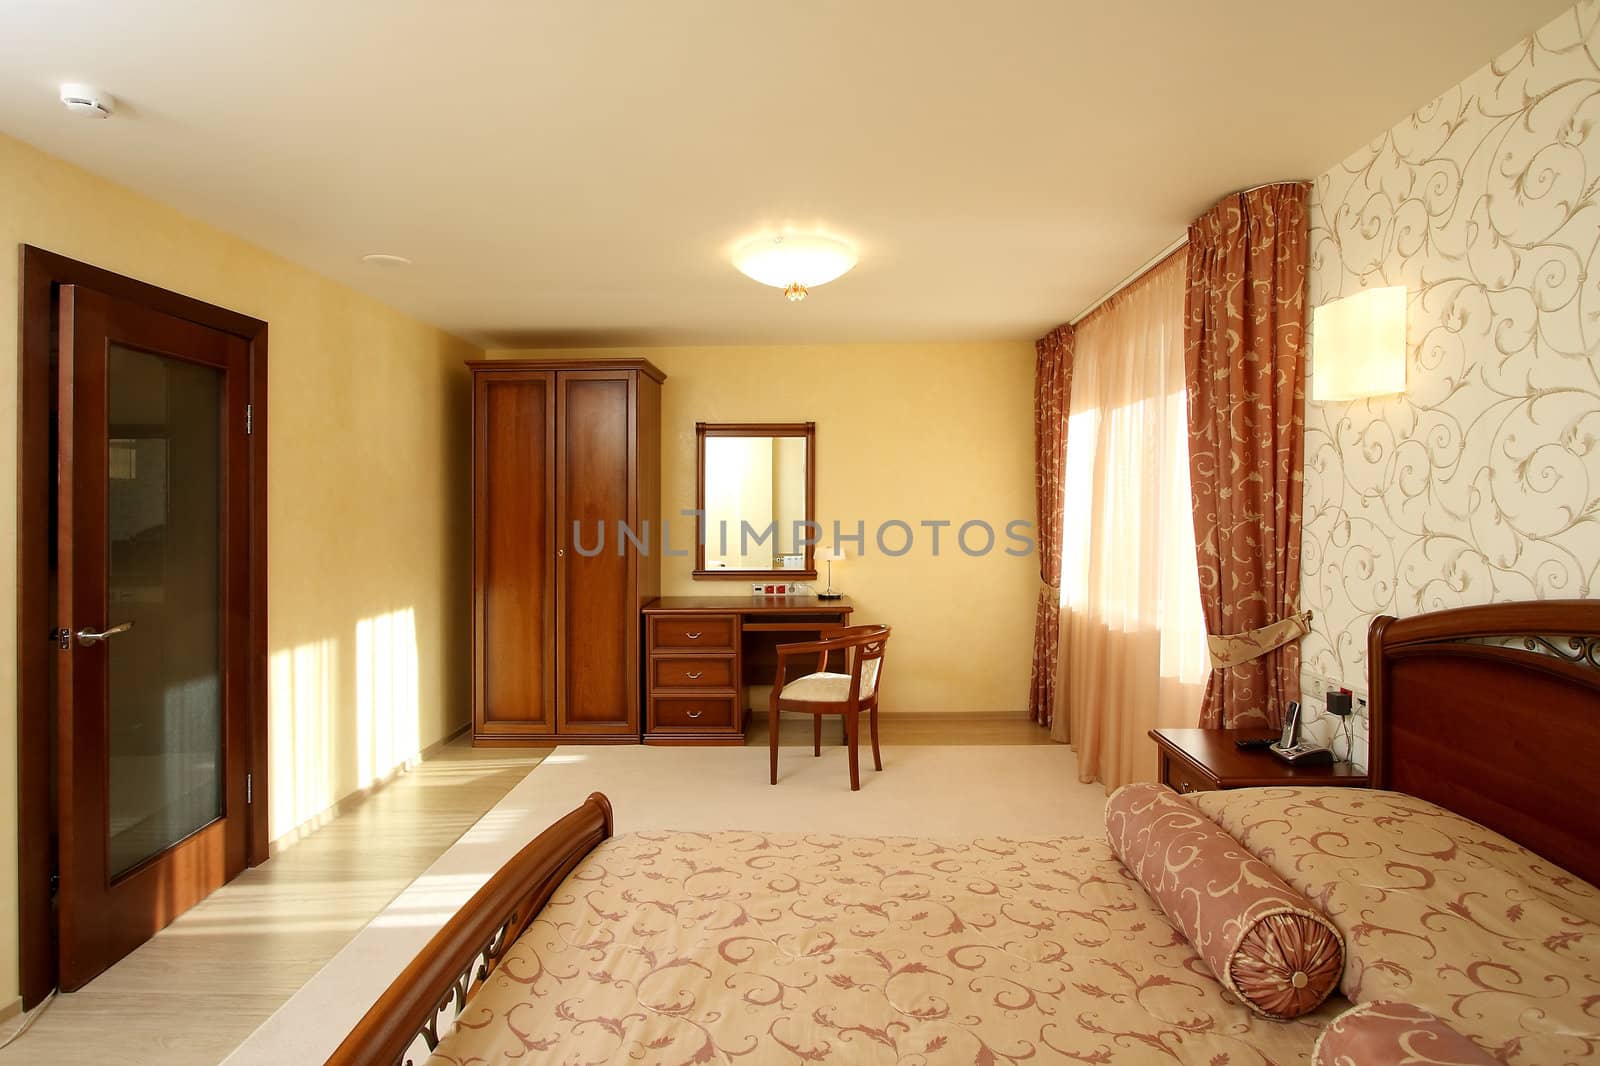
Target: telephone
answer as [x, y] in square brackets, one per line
[1291, 750]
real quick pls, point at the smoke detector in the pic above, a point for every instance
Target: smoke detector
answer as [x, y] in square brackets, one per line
[86, 100]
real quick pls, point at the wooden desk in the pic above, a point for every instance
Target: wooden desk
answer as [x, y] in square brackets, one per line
[1200, 760]
[700, 652]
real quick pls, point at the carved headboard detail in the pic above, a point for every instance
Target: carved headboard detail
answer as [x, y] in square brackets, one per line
[1494, 712]
[1585, 651]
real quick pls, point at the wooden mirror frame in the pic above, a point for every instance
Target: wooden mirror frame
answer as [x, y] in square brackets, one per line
[702, 430]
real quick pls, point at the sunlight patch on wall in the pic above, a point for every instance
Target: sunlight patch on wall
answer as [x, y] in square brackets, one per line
[387, 709]
[303, 685]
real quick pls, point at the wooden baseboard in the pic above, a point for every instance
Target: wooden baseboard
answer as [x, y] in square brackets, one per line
[933, 716]
[954, 716]
[351, 800]
[10, 1010]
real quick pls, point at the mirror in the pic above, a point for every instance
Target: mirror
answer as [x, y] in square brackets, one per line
[755, 494]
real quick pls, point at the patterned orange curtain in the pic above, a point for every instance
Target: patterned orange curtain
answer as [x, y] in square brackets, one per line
[1244, 333]
[1052, 389]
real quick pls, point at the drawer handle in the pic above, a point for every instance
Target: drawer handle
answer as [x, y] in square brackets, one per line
[694, 675]
[694, 714]
[692, 636]
[1185, 787]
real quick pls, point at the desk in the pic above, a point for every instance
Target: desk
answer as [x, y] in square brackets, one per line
[700, 652]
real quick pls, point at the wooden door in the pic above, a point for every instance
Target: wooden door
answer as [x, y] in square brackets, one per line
[514, 623]
[153, 622]
[597, 637]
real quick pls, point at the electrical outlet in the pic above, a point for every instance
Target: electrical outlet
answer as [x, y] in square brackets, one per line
[779, 588]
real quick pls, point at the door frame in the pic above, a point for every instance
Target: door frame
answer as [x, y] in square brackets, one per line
[42, 273]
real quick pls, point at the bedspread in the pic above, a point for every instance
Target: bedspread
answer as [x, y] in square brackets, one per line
[744, 947]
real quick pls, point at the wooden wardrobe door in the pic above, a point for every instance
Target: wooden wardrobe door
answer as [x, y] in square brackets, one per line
[597, 638]
[514, 486]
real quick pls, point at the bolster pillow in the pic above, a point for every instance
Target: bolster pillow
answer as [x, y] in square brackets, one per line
[1265, 942]
[1385, 1033]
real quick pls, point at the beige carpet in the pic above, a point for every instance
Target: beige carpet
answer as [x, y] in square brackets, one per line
[933, 791]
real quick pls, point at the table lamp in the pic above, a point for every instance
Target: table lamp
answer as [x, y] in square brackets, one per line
[830, 556]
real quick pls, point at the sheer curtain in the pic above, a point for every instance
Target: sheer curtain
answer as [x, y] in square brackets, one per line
[1133, 639]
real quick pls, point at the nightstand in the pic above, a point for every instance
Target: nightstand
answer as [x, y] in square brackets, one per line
[1201, 760]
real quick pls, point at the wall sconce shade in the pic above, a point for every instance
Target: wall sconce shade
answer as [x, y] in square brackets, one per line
[1360, 345]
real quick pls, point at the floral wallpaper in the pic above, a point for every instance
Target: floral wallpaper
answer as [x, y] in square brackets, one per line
[1482, 482]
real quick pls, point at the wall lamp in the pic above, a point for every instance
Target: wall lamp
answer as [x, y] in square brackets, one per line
[1360, 346]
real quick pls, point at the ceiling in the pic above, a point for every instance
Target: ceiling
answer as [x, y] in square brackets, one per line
[571, 173]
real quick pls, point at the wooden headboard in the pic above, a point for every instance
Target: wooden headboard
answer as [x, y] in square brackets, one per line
[1494, 712]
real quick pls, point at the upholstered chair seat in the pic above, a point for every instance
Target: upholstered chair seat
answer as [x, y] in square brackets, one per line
[832, 688]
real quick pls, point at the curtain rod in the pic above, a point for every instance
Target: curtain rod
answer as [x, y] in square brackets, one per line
[1157, 258]
[1144, 268]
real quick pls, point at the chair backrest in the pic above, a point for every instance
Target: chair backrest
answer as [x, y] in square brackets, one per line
[864, 648]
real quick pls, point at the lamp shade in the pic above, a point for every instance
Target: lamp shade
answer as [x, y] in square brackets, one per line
[1360, 345]
[831, 555]
[805, 259]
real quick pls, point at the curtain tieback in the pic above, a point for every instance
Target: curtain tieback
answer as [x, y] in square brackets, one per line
[1237, 648]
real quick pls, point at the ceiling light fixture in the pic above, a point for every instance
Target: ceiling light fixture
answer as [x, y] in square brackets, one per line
[794, 262]
[384, 260]
[86, 100]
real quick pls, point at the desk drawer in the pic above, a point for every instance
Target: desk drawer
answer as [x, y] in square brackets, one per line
[691, 673]
[692, 714]
[1181, 777]
[715, 632]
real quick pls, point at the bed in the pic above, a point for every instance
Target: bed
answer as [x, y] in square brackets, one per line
[756, 947]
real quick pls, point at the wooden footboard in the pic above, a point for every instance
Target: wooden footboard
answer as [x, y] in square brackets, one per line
[469, 947]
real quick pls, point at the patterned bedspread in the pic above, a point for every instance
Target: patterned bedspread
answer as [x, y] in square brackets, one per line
[742, 947]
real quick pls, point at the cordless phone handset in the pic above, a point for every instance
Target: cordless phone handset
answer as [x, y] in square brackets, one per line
[1291, 726]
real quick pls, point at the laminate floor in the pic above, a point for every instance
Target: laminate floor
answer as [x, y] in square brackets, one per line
[199, 987]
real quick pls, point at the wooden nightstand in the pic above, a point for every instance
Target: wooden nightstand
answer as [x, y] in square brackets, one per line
[1200, 760]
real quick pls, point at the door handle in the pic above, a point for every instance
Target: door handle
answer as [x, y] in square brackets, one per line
[88, 637]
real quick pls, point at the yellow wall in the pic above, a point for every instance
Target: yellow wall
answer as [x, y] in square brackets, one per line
[910, 432]
[367, 498]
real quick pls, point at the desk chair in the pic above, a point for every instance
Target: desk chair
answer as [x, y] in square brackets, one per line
[820, 692]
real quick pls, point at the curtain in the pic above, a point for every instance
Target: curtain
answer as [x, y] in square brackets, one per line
[1244, 329]
[1052, 384]
[1133, 650]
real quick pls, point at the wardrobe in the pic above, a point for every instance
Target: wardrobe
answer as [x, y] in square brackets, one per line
[566, 500]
